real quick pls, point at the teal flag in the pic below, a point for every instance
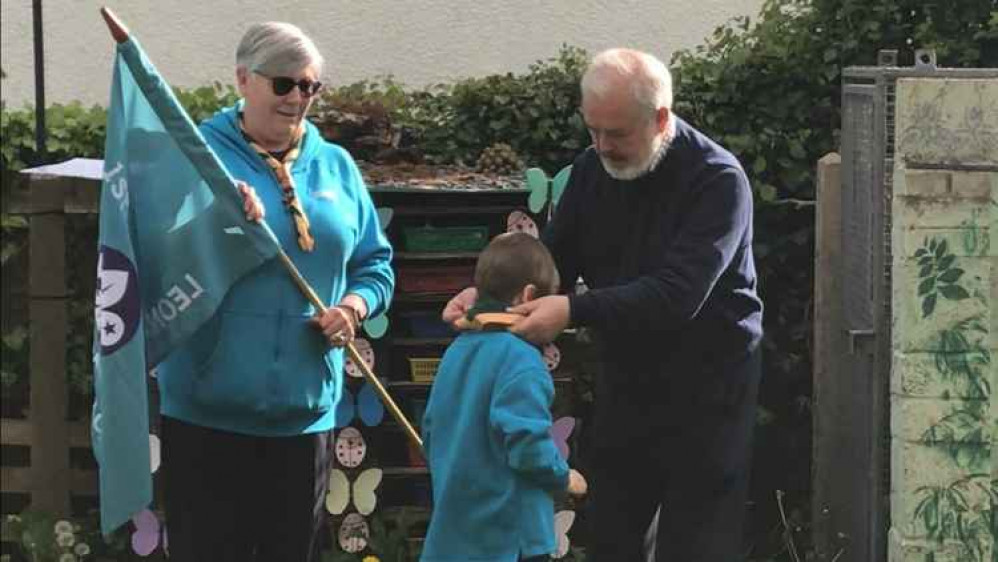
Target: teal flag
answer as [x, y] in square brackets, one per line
[173, 239]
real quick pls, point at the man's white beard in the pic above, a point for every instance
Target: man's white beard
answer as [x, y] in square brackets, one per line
[635, 171]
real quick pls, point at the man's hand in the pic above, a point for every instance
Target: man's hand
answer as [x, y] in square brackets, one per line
[543, 318]
[458, 306]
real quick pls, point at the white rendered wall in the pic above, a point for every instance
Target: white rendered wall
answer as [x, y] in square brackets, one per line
[419, 42]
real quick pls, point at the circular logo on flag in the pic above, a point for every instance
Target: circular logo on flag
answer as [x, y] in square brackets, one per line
[117, 310]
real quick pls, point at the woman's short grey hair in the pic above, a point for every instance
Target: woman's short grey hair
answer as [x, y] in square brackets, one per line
[277, 49]
[650, 81]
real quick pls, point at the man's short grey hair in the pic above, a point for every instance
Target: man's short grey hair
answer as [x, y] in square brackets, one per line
[277, 49]
[650, 80]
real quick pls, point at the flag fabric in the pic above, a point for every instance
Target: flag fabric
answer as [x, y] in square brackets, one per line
[173, 239]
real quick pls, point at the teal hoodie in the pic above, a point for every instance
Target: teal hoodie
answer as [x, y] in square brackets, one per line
[259, 367]
[493, 463]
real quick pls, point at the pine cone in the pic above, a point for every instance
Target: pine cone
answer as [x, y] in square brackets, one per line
[499, 159]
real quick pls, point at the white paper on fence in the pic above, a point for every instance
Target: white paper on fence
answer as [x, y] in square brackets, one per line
[87, 168]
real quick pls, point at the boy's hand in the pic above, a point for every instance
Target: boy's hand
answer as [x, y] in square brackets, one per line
[458, 306]
[543, 318]
[577, 485]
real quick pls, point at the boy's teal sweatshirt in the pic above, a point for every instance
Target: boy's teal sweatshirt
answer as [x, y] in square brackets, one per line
[493, 463]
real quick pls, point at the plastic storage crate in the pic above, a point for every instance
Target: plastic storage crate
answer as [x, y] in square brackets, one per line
[440, 239]
[423, 369]
[434, 278]
[427, 324]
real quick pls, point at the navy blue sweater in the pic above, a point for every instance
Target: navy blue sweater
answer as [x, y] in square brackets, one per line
[667, 256]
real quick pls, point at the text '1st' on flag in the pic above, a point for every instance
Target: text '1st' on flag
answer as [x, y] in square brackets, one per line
[173, 240]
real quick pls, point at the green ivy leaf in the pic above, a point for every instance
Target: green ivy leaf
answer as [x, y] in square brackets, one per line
[9, 250]
[15, 338]
[954, 292]
[759, 166]
[925, 271]
[797, 150]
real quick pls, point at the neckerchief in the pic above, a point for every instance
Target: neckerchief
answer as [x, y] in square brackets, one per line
[486, 304]
[282, 171]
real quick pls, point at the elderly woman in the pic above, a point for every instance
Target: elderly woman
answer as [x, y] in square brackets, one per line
[248, 404]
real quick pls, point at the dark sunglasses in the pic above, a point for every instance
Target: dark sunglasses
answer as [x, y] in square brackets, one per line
[282, 85]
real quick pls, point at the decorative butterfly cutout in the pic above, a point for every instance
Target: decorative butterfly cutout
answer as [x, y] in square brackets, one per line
[350, 447]
[385, 215]
[364, 499]
[551, 355]
[147, 534]
[563, 521]
[366, 353]
[561, 429]
[354, 533]
[543, 190]
[376, 326]
[367, 406]
[154, 453]
[518, 221]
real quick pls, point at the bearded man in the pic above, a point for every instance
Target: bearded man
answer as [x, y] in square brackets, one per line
[657, 220]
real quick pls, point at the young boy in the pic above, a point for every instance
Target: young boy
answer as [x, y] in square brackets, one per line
[493, 463]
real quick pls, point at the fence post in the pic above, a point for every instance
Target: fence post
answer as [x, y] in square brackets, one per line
[828, 382]
[50, 474]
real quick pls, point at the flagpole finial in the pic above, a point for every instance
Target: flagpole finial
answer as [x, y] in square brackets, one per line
[118, 30]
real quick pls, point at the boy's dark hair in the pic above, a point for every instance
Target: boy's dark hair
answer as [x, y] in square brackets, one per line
[512, 261]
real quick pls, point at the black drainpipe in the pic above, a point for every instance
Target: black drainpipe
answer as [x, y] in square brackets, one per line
[39, 83]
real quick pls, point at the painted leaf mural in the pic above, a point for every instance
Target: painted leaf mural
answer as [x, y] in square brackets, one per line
[944, 471]
[938, 275]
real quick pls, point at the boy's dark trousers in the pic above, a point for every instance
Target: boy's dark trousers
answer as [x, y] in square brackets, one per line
[241, 498]
[689, 453]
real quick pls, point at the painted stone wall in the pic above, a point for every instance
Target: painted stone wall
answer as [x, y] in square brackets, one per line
[944, 421]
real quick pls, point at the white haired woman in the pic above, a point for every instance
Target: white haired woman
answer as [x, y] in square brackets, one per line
[248, 404]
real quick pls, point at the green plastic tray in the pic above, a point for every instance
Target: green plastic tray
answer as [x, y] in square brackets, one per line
[445, 238]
